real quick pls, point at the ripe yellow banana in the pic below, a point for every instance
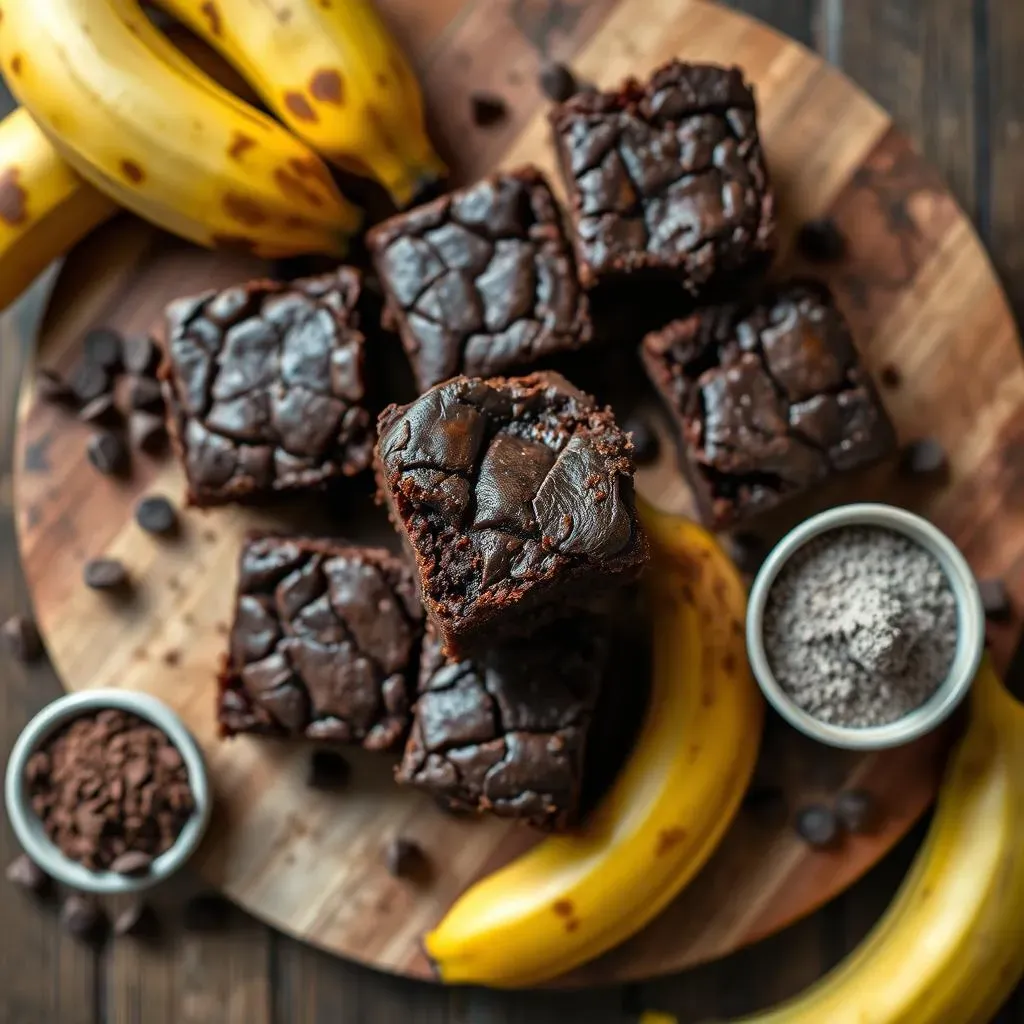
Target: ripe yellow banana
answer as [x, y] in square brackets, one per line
[45, 207]
[573, 897]
[333, 73]
[160, 138]
[950, 948]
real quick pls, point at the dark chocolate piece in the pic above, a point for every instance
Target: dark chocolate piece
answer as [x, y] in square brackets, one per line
[83, 918]
[108, 453]
[141, 355]
[995, 599]
[404, 858]
[28, 875]
[821, 240]
[21, 638]
[924, 457]
[487, 109]
[328, 770]
[857, 811]
[817, 826]
[103, 346]
[557, 82]
[646, 445]
[145, 393]
[147, 432]
[105, 574]
[155, 514]
[137, 920]
[89, 381]
[102, 410]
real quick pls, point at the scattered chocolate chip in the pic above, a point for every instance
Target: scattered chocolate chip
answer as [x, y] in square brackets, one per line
[155, 514]
[403, 858]
[132, 863]
[995, 599]
[89, 381]
[101, 410]
[821, 240]
[137, 920]
[28, 875]
[51, 387]
[105, 574]
[141, 355]
[145, 393]
[891, 376]
[108, 453]
[207, 912]
[748, 552]
[82, 917]
[857, 811]
[817, 826]
[21, 638]
[487, 109]
[925, 457]
[766, 805]
[557, 82]
[103, 346]
[147, 432]
[328, 770]
[645, 440]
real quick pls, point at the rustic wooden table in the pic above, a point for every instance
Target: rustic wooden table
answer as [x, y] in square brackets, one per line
[952, 74]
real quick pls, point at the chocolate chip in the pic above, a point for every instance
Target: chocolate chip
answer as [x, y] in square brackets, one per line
[101, 410]
[147, 432]
[766, 805]
[821, 240]
[132, 863]
[155, 514]
[995, 599]
[328, 770]
[645, 440]
[207, 912]
[557, 82]
[891, 376]
[105, 574]
[817, 826]
[141, 355]
[108, 453]
[103, 346]
[82, 917]
[145, 393]
[21, 638]
[857, 811]
[403, 858]
[487, 109]
[137, 920]
[89, 381]
[51, 387]
[748, 552]
[28, 875]
[925, 457]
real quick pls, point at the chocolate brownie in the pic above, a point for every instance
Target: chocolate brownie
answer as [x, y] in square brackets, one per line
[264, 386]
[482, 280]
[667, 177]
[505, 733]
[324, 643]
[515, 495]
[770, 399]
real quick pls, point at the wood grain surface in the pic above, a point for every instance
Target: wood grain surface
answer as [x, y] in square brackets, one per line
[253, 976]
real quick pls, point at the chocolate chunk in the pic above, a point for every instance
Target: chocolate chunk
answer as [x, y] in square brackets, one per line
[645, 439]
[817, 826]
[328, 770]
[21, 638]
[404, 858]
[28, 875]
[995, 599]
[891, 377]
[748, 551]
[82, 917]
[132, 862]
[105, 574]
[137, 920]
[821, 240]
[89, 381]
[207, 912]
[103, 346]
[487, 109]
[557, 82]
[108, 453]
[766, 805]
[147, 432]
[145, 393]
[925, 457]
[155, 514]
[857, 811]
[51, 387]
[141, 355]
[102, 410]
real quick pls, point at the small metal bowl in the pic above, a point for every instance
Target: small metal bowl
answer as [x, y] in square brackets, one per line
[29, 829]
[970, 628]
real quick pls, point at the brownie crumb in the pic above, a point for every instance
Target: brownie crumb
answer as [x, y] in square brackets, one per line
[155, 514]
[89, 381]
[21, 638]
[141, 356]
[137, 920]
[28, 875]
[857, 811]
[487, 109]
[101, 410]
[404, 858]
[821, 240]
[105, 574]
[891, 377]
[83, 918]
[995, 599]
[557, 82]
[51, 387]
[108, 453]
[817, 826]
[207, 912]
[328, 770]
[646, 444]
[147, 432]
[145, 393]
[103, 346]
[925, 457]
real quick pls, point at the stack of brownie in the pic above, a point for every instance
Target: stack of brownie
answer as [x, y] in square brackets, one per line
[512, 496]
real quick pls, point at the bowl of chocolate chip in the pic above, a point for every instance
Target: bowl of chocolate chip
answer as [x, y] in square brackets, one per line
[107, 791]
[865, 627]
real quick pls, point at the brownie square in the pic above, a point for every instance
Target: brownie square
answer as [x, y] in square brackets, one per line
[505, 733]
[481, 280]
[667, 177]
[264, 386]
[515, 496]
[769, 400]
[324, 643]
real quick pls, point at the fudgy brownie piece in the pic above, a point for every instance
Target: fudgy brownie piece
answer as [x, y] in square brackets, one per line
[506, 732]
[769, 399]
[482, 280]
[324, 643]
[264, 386]
[515, 495]
[667, 177]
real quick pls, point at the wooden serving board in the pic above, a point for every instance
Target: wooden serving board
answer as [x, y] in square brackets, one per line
[926, 308]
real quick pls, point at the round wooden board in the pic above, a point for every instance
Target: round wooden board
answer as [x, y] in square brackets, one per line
[923, 301]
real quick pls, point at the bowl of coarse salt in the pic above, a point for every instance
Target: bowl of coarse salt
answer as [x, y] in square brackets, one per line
[865, 627]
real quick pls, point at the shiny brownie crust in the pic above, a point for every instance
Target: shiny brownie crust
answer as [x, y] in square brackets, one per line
[264, 386]
[324, 644]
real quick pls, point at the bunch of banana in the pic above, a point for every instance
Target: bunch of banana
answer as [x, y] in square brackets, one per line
[143, 125]
[573, 897]
[950, 949]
